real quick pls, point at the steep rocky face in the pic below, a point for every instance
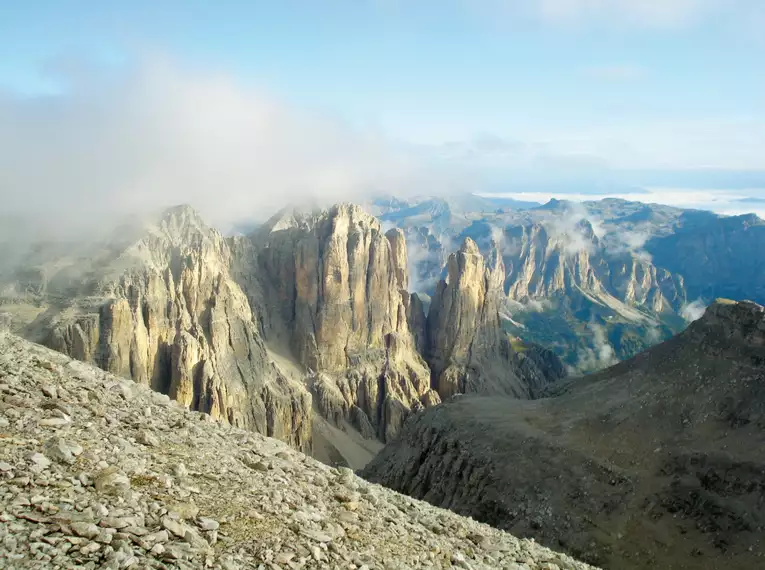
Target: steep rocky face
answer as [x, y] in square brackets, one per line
[656, 462]
[165, 313]
[417, 321]
[718, 257]
[542, 265]
[466, 346]
[584, 279]
[546, 265]
[240, 328]
[336, 285]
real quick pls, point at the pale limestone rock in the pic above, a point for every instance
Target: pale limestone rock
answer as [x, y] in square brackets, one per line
[548, 263]
[467, 349]
[336, 288]
[174, 319]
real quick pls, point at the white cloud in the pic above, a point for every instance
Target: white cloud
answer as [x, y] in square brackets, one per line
[633, 242]
[571, 232]
[661, 13]
[600, 354]
[616, 72]
[693, 311]
[727, 202]
[529, 306]
[158, 135]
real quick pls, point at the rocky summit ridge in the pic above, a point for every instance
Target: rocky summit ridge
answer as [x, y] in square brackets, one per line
[98, 471]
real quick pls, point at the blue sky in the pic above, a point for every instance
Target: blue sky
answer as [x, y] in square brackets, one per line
[619, 84]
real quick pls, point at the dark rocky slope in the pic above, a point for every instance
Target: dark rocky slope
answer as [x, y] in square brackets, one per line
[657, 462]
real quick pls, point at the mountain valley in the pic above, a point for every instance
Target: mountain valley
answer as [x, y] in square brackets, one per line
[440, 354]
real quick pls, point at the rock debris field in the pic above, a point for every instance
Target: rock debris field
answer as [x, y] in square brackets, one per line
[100, 472]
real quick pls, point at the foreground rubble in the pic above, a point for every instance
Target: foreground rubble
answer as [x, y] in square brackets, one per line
[99, 472]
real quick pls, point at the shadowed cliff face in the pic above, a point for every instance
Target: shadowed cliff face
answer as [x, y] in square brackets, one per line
[656, 462]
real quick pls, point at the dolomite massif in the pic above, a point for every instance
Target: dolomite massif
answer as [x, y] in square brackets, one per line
[596, 281]
[656, 462]
[305, 322]
[468, 349]
[99, 471]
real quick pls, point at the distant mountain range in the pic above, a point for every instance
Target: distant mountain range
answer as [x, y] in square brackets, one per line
[596, 281]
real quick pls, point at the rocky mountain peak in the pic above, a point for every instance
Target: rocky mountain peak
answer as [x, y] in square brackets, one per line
[400, 258]
[181, 220]
[466, 346]
[336, 287]
[166, 312]
[469, 247]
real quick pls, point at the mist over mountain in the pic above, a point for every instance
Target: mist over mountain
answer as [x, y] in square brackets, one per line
[596, 281]
[476, 251]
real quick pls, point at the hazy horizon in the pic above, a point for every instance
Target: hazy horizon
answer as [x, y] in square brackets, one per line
[239, 108]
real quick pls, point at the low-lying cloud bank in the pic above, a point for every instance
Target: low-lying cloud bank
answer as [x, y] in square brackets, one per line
[157, 134]
[731, 202]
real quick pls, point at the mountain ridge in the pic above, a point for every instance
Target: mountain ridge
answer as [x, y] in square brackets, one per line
[308, 316]
[653, 462]
[607, 276]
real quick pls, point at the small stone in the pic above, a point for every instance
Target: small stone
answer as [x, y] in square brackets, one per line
[115, 522]
[196, 541]
[345, 475]
[175, 527]
[55, 422]
[39, 461]
[159, 536]
[208, 524]
[146, 437]
[316, 553]
[112, 481]
[90, 548]
[50, 391]
[85, 529]
[126, 390]
[62, 451]
[315, 535]
[5, 466]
